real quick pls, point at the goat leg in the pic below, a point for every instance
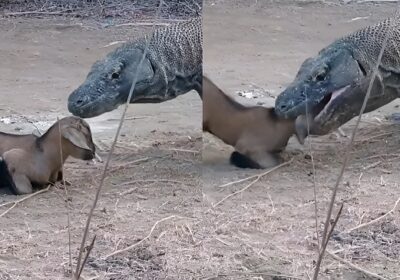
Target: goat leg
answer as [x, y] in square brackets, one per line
[22, 183]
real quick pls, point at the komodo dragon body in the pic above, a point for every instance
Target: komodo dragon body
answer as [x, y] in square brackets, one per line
[330, 87]
[172, 66]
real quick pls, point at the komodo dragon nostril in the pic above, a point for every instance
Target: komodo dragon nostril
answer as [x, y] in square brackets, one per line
[79, 102]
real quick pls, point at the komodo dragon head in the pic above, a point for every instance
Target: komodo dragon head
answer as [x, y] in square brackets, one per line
[109, 81]
[326, 87]
[330, 87]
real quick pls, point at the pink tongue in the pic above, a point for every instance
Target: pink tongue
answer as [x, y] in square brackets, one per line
[336, 93]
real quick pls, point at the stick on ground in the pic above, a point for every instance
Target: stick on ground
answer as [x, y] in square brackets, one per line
[346, 262]
[258, 177]
[141, 241]
[374, 221]
[15, 203]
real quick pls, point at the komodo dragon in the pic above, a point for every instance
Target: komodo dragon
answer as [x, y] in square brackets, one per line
[172, 66]
[332, 85]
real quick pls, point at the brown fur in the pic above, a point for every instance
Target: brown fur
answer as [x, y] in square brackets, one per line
[255, 132]
[37, 160]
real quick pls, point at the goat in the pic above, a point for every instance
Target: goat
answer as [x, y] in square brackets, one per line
[29, 160]
[256, 132]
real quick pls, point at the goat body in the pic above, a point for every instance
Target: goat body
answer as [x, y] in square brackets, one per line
[28, 160]
[256, 133]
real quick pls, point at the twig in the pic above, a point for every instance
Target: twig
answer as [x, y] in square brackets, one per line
[147, 23]
[325, 244]
[141, 241]
[37, 12]
[109, 45]
[341, 132]
[374, 221]
[86, 257]
[135, 78]
[128, 164]
[366, 272]
[347, 155]
[314, 179]
[374, 1]
[128, 191]
[98, 157]
[376, 136]
[381, 155]
[141, 24]
[333, 226]
[375, 164]
[132, 162]
[150, 181]
[66, 199]
[272, 275]
[183, 150]
[258, 177]
[15, 203]
[130, 118]
[238, 181]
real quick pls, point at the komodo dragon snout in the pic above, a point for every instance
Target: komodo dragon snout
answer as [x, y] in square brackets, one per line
[109, 81]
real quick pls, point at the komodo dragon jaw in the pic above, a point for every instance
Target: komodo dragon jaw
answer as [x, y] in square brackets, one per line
[348, 103]
[109, 81]
[318, 81]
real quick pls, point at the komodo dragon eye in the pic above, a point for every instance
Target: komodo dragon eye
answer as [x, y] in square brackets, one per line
[320, 76]
[114, 75]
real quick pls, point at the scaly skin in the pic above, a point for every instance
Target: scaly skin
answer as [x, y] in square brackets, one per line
[172, 66]
[330, 87]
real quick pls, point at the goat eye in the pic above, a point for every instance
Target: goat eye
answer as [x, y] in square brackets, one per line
[115, 75]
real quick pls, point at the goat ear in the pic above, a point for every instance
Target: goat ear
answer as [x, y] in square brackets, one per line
[76, 137]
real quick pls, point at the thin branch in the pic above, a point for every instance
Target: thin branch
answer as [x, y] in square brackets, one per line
[66, 199]
[333, 226]
[135, 78]
[258, 177]
[238, 181]
[142, 24]
[374, 221]
[347, 154]
[141, 241]
[90, 248]
[37, 13]
[266, 274]
[366, 272]
[314, 179]
[325, 244]
[15, 203]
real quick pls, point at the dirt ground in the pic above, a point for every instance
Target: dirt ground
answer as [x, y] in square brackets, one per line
[164, 169]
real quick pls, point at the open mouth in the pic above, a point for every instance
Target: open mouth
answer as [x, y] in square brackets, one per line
[322, 109]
